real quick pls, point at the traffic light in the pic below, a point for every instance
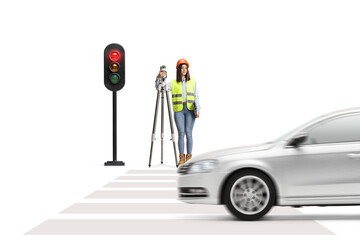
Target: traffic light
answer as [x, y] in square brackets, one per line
[114, 67]
[114, 80]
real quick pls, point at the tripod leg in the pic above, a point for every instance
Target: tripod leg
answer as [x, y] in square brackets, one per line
[162, 126]
[154, 127]
[172, 128]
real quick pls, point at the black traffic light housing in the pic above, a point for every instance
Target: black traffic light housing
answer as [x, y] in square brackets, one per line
[114, 67]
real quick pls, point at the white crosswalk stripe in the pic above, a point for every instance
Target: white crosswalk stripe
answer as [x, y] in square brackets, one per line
[147, 198]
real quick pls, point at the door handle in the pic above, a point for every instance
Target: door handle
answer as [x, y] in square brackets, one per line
[355, 156]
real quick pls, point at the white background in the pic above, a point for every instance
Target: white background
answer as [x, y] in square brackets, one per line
[262, 67]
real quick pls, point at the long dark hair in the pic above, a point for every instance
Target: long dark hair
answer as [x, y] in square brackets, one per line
[178, 74]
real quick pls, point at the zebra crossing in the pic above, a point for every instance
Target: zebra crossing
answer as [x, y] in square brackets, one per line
[143, 202]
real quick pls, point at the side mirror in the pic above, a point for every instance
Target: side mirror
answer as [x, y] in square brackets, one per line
[298, 139]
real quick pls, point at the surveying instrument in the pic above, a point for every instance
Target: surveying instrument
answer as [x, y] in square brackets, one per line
[162, 89]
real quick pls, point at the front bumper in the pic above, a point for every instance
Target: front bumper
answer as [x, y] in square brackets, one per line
[203, 188]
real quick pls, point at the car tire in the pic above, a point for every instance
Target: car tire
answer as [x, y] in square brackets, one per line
[249, 195]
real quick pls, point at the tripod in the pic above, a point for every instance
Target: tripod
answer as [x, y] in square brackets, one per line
[161, 89]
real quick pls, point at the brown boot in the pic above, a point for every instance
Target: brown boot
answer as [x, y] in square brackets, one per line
[182, 159]
[188, 157]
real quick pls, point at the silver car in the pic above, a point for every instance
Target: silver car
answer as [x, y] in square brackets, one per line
[317, 164]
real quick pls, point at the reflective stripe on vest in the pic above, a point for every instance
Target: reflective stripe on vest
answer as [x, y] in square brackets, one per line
[176, 90]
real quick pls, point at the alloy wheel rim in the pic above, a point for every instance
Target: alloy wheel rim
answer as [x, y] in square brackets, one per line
[250, 195]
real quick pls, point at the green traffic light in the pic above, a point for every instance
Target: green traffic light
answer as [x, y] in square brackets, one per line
[114, 78]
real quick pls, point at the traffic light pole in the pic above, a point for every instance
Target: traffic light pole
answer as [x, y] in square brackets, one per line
[114, 127]
[114, 162]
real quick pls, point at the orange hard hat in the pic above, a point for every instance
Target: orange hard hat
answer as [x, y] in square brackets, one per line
[182, 61]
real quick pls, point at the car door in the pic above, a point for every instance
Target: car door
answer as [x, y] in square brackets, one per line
[327, 165]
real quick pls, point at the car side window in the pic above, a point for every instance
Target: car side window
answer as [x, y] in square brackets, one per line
[339, 130]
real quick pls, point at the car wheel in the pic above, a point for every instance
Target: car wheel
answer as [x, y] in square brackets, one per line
[249, 195]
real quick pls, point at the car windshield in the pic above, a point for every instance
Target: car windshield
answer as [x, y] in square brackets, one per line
[292, 132]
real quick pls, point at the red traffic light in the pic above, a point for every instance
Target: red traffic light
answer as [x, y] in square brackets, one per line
[114, 55]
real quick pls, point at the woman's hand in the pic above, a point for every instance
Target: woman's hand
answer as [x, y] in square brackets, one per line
[197, 115]
[161, 74]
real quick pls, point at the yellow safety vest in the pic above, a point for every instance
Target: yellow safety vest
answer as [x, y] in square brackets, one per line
[177, 100]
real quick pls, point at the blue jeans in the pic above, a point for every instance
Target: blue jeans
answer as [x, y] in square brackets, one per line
[185, 121]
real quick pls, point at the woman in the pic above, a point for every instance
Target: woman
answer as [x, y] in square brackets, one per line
[184, 94]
